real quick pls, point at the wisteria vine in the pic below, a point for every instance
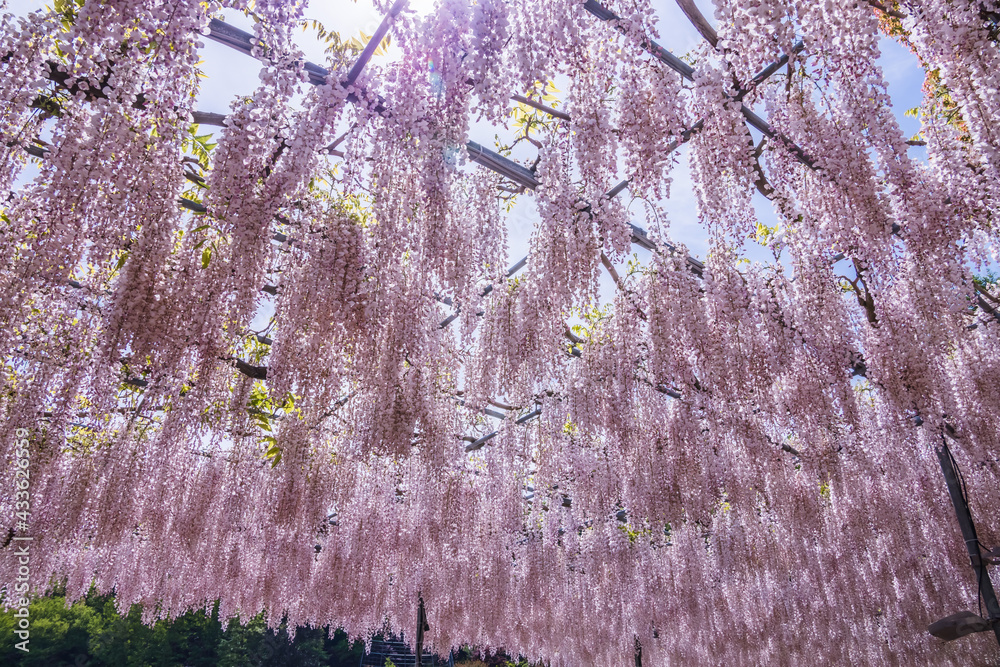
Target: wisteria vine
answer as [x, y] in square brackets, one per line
[729, 462]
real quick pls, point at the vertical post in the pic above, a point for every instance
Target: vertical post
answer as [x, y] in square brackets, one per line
[969, 535]
[638, 653]
[421, 628]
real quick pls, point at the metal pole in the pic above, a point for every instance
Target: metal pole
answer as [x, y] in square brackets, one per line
[969, 535]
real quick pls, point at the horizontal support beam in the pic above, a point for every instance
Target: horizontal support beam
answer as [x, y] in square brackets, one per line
[686, 71]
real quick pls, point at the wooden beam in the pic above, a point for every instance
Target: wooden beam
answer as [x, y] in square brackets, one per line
[699, 21]
[968, 528]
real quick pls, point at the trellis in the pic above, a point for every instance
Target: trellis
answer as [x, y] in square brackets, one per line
[244, 42]
[525, 179]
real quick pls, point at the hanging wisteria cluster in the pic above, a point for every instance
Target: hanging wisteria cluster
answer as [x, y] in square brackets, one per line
[730, 463]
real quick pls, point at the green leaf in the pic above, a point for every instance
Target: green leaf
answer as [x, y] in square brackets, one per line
[206, 257]
[273, 453]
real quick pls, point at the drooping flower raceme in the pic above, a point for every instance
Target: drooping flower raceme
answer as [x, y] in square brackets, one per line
[293, 373]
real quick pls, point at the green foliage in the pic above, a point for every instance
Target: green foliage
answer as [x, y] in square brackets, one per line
[939, 101]
[122, 258]
[262, 409]
[987, 280]
[525, 116]
[635, 267]
[200, 146]
[197, 159]
[942, 104]
[208, 244]
[592, 318]
[468, 656]
[767, 235]
[255, 644]
[340, 48]
[58, 634]
[91, 633]
[67, 10]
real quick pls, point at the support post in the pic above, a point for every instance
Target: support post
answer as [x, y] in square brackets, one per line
[969, 535]
[422, 627]
[638, 653]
